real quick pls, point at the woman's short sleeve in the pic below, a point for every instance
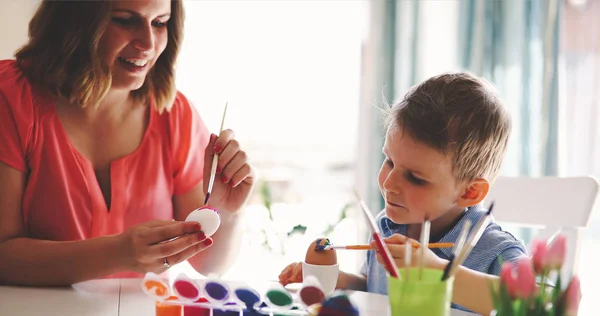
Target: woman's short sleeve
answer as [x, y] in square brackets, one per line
[190, 136]
[16, 116]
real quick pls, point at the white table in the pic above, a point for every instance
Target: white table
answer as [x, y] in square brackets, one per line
[123, 297]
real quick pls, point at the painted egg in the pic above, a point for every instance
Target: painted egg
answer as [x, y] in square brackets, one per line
[338, 304]
[315, 255]
[208, 218]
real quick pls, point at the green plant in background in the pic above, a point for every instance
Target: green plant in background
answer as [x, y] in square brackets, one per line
[267, 200]
[343, 215]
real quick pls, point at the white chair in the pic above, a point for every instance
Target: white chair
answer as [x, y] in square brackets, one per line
[548, 203]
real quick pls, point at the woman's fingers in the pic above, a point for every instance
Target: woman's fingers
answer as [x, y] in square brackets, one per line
[164, 233]
[187, 252]
[223, 140]
[243, 174]
[172, 247]
[226, 157]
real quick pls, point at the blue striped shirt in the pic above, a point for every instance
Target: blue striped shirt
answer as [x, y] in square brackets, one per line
[484, 257]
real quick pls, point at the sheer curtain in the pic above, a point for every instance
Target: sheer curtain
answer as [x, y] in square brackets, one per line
[580, 117]
[514, 44]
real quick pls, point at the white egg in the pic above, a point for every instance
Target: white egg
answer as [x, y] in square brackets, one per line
[208, 218]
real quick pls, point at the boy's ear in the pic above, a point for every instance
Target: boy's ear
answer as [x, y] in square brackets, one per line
[474, 193]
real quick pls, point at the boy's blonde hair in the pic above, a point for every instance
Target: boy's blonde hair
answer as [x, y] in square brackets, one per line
[62, 53]
[460, 115]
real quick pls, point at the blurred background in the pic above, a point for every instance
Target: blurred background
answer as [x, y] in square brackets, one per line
[304, 81]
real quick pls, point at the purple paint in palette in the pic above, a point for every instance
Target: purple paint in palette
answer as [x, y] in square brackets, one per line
[216, 292]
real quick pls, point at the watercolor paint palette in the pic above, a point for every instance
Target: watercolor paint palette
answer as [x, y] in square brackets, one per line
[214, 296]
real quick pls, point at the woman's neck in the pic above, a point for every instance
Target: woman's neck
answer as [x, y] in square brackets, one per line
[115, 105]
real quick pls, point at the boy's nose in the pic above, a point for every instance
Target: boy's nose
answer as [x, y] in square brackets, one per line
[391, 186]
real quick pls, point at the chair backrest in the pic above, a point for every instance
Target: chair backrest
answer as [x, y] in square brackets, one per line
[548, 203]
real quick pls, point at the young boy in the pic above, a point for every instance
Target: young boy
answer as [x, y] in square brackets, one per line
[444, 146]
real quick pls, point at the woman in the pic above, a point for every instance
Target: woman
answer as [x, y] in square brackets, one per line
[101, 159]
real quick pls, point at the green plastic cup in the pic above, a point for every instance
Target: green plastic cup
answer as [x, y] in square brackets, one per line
[427, 296]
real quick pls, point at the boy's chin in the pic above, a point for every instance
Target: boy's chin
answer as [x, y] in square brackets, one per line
[400, 216]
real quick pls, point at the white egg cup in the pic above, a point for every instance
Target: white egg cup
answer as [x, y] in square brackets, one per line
[327, 275]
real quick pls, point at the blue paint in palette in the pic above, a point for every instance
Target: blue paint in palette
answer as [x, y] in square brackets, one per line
[216, 291]
[248, 296]
[219, 312]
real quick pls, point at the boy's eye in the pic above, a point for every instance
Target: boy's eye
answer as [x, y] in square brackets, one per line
[411, 178]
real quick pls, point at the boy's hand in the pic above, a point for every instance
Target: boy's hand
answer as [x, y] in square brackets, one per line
[397, 246]
[291, 274]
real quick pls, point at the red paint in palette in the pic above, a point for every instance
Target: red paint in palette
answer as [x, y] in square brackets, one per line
[191, 310]
[311, 295]
[186, 289]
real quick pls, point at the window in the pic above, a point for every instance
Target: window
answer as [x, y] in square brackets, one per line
[290, 71]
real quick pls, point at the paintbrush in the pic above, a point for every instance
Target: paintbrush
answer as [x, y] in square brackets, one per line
[389, 263]
[213, 167]
[369, 247]
[425, 229]
[462, 238]
[407, 259]
[470, 243]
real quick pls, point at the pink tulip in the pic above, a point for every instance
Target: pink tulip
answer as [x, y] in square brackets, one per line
[508, 278]
[522, 283]
[555, 256]
[573, 296]
[539, 250]
[526, 287]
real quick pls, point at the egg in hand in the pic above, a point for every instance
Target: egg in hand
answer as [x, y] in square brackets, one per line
[315, 255]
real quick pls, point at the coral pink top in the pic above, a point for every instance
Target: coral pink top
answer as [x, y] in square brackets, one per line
[62, 199]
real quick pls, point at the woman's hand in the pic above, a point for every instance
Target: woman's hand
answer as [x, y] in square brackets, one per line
[144, 247]
[291, 274]
[234, 178]
[397, 244]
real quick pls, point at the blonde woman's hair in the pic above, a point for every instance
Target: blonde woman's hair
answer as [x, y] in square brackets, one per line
[62, 53]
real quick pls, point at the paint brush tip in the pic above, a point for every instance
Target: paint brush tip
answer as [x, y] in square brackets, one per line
[206, 198]
[490, 208]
